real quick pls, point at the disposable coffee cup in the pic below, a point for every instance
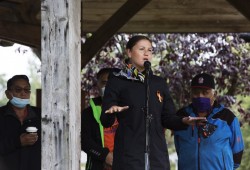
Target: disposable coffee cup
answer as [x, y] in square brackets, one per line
[31, 129]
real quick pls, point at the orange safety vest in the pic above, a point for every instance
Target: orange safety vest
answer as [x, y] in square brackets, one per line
[107, 134]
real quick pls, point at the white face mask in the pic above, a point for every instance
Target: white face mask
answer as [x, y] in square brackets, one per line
[102, 91]
[18, 102]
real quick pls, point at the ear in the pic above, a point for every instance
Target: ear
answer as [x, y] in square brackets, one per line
[214, 97]
[128, 51]
[8, 94]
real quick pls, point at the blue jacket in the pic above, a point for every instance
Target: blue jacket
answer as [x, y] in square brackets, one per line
[223, 149]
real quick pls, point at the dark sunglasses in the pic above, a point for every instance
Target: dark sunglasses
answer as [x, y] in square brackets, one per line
[19, 90]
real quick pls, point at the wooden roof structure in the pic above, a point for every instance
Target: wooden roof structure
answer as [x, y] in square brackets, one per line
[20, 20]
[60, 43]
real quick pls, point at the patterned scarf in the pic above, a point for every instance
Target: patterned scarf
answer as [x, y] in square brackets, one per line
[131, 73]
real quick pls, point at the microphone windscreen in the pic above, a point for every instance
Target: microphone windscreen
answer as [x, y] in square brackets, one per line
[147, 65]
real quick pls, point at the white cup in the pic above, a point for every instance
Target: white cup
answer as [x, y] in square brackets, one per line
[31, 129]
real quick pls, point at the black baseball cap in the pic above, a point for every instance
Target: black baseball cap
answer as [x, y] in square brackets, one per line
[203, 80]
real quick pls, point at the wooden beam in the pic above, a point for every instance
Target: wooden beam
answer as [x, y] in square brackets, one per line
[5, 43]
[16, 1]
[109, 28]
[25, 34]
[245, 36]
[242, 6]
[38, 98]
[61, 80]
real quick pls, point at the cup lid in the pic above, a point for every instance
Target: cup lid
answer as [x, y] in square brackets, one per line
[31, 129]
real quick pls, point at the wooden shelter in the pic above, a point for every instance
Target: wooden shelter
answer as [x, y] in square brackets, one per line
[53, 28]
[20, 20]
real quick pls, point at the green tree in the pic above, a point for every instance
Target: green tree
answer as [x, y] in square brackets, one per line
[35, 80]
[3, 99]
[34, 77]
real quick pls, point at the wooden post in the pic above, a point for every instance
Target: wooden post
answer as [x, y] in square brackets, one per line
[61, 44]
[39, 98]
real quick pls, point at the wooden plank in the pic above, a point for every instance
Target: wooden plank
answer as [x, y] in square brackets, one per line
[161, 7]
[109, 28]
[16, 1]
[61, 67]
[190, 17]
[5, 10]
[187, 4]
[180, 26]
[101, 5]
[91, 13]
[29, 35]
[216, 12]
[159, 4]
[180, 21]
[242, 6]
[166, 27]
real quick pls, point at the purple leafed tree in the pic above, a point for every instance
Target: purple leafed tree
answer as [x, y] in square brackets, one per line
[178, 57]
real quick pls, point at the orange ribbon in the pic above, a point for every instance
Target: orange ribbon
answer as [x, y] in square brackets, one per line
[160, 98]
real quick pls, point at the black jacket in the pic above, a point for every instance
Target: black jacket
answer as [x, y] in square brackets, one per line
[129, 146]
[12, 155]
[91, 141]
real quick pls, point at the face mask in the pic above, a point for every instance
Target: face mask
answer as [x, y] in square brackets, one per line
[201, 104]
[102, 91]
[20, 103]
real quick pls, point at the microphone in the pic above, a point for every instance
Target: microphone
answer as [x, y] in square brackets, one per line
[147, 65]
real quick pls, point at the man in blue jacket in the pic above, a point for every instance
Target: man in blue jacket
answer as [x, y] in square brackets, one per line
[215, 144]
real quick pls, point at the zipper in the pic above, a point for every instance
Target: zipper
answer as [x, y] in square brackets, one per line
[192, 130]
[199, 141]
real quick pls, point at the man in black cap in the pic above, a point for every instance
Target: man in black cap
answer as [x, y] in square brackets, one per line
[214, 144]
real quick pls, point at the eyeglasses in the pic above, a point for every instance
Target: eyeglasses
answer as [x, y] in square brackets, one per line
[19, 90]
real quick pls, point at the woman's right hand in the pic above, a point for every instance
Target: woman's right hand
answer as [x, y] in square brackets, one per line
[193, 120]
[114, 109]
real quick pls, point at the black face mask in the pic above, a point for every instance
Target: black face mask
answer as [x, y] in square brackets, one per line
[207, 129]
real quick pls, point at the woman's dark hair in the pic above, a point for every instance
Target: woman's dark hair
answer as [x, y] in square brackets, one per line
[132, 41]
[12, 80]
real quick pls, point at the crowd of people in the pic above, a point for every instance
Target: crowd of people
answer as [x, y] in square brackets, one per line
[123, 128]
[201, 130]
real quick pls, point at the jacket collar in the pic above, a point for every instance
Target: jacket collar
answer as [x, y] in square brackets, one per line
[9, 111]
